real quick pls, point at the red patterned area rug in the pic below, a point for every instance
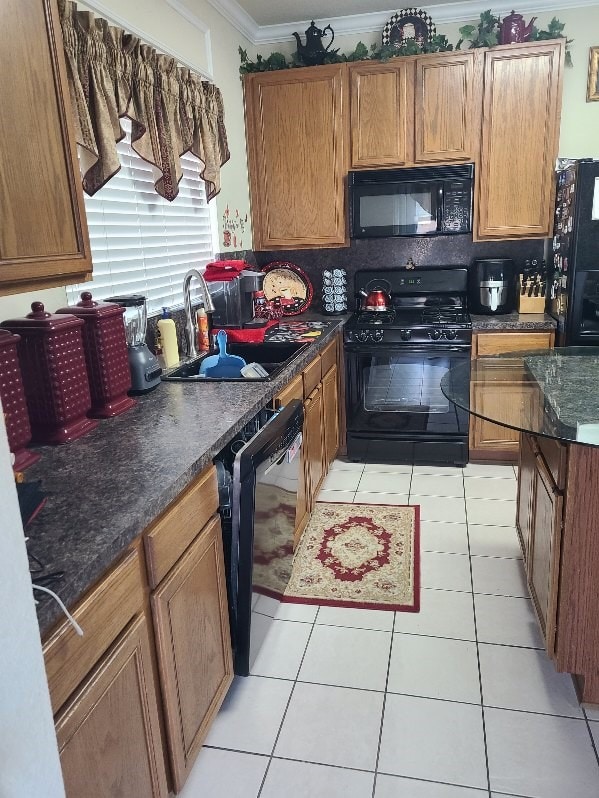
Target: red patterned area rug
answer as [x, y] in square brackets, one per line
[359, 555]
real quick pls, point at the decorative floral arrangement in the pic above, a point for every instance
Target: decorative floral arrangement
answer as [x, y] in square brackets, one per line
[485, 34]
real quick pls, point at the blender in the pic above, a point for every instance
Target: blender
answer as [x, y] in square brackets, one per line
[144, 366]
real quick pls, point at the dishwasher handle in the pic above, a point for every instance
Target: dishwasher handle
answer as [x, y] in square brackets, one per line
[278, 458]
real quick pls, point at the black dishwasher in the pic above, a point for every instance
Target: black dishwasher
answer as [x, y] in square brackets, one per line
[258, 527]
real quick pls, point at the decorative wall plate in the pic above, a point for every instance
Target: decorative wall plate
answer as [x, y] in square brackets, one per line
[409, 23]
[290, 284]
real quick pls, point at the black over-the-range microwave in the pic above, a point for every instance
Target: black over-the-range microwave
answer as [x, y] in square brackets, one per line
[419, 201]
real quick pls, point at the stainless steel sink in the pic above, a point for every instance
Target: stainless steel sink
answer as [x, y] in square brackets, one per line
[273, 357]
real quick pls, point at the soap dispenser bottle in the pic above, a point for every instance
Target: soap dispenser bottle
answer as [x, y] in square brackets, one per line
[168, 337]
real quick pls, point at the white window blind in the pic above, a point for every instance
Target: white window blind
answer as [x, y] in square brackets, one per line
[140, 242]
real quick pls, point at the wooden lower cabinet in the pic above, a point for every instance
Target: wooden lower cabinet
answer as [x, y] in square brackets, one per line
[490, 441]
[194, 647]
[318, 385]
[526, 475]
[330, 415]
[544, 548]
[108, 732]
[314, 452]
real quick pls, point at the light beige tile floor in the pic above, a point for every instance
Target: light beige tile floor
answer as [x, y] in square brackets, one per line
[456, 701]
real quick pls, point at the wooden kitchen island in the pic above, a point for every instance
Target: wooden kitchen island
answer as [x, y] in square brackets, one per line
[554, 404]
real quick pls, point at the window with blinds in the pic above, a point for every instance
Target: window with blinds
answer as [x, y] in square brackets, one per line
[140, 242]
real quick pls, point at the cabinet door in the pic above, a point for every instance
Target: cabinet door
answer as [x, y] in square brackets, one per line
[314, 443]
[330, 416]
[490, 441]
[526, 475]
[109, 733]
[382, 113]
[486, 437]
[521, 110]
[545, 543]
[448, 107]
[43, 232]
[194, 646]
[296, 123]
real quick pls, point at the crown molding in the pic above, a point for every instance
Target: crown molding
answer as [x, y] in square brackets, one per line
[239, 18]
[375, 21]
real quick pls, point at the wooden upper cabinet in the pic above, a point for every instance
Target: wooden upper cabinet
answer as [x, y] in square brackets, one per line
[296, 123]
[382, 113]
[43, 232]
[521, 113]
[447, 107]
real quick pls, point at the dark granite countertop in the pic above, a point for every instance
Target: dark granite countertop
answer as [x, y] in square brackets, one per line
[569, 386]
[513, 321]
[106, 488]
[552, 392]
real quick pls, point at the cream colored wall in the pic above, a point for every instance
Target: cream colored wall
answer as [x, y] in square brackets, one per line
[165, 25]
[579, 137]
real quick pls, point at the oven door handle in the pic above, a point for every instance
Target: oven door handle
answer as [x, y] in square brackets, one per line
[424, 349]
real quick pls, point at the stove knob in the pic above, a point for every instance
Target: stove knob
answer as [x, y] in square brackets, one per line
[450, 334]
[405, 335]
[362, 336]
[377, 336]
[435, 334]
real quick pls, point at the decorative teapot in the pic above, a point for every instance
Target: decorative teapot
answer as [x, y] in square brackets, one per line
[312, 53]
[514, 30]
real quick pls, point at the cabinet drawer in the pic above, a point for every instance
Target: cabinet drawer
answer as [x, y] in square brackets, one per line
[312, 375]
[295, 390]
[496, 343]
[167, 539]
[554, 455]
[329, 356]
[102, 615]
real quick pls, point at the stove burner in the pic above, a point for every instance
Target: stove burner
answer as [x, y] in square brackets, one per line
[376, 317]
[443, 316]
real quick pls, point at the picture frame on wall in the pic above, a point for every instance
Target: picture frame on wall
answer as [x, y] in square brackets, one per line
[593, 79]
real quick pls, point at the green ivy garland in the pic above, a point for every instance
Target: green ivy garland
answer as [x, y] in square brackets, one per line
[485, 34]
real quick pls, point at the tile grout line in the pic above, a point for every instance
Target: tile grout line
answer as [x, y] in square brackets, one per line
[480, 682]
[378, 749]
[274, 745]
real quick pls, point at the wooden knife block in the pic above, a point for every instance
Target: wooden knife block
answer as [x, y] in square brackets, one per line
[529, 304]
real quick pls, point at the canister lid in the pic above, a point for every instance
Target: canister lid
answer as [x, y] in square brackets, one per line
[128, 301]
[7, 338]
[89, 308]
[40, 320]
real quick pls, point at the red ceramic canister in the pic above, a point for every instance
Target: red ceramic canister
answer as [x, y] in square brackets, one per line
[106, 355]
[50, 352]
[14, 405]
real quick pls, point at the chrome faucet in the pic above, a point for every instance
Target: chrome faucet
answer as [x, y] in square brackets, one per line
[190, 325]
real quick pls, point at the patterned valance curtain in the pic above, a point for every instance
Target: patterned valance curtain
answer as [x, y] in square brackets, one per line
[113, 74]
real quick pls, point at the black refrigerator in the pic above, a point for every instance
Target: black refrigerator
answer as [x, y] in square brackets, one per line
[575, 290]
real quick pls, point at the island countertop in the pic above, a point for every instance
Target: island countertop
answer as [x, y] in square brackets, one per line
[104, 489]
[552, 392]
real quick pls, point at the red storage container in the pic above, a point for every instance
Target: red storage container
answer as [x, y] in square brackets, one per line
[52, 363]
[14, 405]
[106, 355]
